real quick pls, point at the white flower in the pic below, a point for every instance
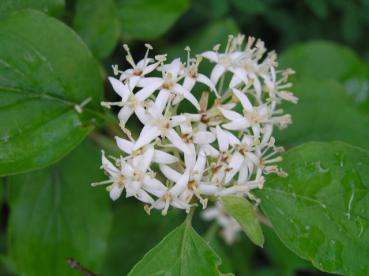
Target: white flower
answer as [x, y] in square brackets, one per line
[227, 147]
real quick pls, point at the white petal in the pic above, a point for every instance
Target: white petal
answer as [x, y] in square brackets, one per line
[190, 156]
[230, 114]
[188, 83]
[243, 176]
[233, 140]
[124, 145]
[205, 80]
[169, 173]
[187, 95]
[256, 131]
[210, 55]
[267, 133]
[149, 68]
[210, 150]
[147, 91]
[181, 184]
[153, 186]
[125, 113]
[235, 165]
[243, 99]
[143, 82]
[132, 187]
[216, 73]
[222, 139]
[121, 89]
[234, 81]
[115, 192]
[174, 138]
[141, 114]
[239, 124]
[132, 82]
[240, 73]
[144, 197]
[108, 166]
[147, 134]
[146, 159]
[162, 99]
[177, 120]
[257, 85]
[200, 165]
[203, 137]
[208, 189]
[173, 67]
[162, 157]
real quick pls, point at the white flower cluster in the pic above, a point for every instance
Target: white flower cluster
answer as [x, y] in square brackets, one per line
[225, 148]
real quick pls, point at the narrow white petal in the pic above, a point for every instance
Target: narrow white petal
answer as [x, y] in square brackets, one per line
[210, 55]
[217, 72]
[108, 166]
[143, 82]
[222, 139]
[121, 89]
[147, 91]
[146, 159]
[169, 173]
[173, 67]
[243, 176]
[233, 140]
[230, 114]
[208, 189]
[203, 137]
[190, 156]
[154, 186]
[188, 83]
[162, 99]
[239, 124]
[141, 114]
[115, 192]
[132, 81]
[235, 165]
[144, 197]
[147, 134]
[187, 95]
[240, 73]
[125, 113]
[177, 120]
[180, 184]
[210, 150]
[243, 99]
[257, 85]
[200, 165]
[124, 145]
[174, 138]
[149, 68]
[205, 80]
[267, 133]
[256, 131]
[162, 157]
[235, 81]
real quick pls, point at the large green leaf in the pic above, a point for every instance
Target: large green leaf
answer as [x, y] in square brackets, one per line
[243, 211]
[56, 214]
[181, 252]
[97, 23]
[45, 71]
[323, 60]
[324, 113]
[321, 210]
[53, 7]
[128, 239]
[147, 19]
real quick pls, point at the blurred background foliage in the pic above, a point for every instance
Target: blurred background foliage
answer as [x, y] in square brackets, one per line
[325, 41]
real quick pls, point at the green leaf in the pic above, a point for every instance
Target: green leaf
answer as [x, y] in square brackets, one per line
[147, 19]
[45, 71]
[281, 257]
[243, 211]
[320, 211]
[97, 23]
[52, 7]
[128, 239]
[324, 113]
[56, 214]
[323, 60]
[181, 252]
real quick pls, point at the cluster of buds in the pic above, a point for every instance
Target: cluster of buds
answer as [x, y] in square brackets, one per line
[225, 147]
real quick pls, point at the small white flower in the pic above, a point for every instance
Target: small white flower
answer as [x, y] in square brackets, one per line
[182, 159]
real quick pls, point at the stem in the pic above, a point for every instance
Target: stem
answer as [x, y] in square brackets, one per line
[190, 215]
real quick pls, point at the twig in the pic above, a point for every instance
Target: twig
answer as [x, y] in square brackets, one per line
[76, 266]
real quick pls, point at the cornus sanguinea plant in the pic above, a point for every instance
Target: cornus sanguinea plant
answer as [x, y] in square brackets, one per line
[225, 147]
